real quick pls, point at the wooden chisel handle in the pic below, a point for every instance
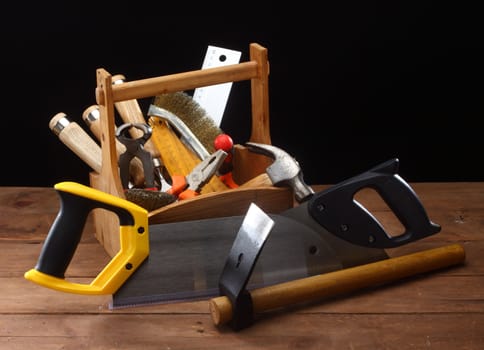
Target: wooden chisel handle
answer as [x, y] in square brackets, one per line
[342, 281]
[130, 112]
[91, 118]
[77, 140]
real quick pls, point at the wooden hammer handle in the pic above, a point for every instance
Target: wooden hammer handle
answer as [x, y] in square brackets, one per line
[342, 281]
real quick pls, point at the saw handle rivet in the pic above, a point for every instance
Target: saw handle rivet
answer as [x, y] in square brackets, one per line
[313, 250]
[129, 266]
[141, 230]
[344, 227]
[321, 207]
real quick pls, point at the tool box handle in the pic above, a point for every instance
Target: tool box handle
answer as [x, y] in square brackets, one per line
[256, 70]
[77, 201]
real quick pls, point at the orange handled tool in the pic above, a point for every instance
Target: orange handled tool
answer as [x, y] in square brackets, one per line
[190, 186]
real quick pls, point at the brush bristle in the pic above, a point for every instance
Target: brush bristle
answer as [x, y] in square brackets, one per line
[192, 114]
[150, 200]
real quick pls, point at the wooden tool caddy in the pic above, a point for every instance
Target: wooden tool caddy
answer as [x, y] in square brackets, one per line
[248, 166]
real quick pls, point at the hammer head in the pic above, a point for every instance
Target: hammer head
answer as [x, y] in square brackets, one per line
[284, 171]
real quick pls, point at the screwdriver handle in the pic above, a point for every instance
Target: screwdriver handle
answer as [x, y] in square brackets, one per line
[342, 281]
[91, 118]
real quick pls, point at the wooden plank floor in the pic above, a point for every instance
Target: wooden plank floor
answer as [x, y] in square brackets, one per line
[438, 310]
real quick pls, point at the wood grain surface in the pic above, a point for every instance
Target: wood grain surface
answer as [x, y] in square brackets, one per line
[438, 310]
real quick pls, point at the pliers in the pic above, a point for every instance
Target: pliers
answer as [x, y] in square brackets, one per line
[135, 148]
[190, 186]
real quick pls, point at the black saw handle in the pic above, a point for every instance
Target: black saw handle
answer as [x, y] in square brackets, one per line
[336, 209]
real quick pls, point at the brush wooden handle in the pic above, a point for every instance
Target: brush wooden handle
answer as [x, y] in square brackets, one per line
[342, 281]
[91, 118]
[77, 140]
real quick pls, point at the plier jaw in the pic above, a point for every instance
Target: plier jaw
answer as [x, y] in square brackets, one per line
[190, 186]
[135, 148]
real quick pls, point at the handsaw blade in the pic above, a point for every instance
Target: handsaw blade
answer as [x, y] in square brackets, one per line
[186, 258]
[329, 231]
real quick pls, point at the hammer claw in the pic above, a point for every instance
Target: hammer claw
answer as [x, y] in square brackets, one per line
[284, 171]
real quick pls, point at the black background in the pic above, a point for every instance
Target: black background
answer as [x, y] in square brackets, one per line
[351, 85]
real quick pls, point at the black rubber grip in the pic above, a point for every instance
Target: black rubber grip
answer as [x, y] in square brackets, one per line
[66, 231]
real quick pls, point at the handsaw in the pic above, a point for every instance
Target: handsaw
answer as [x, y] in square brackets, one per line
[183, 260]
